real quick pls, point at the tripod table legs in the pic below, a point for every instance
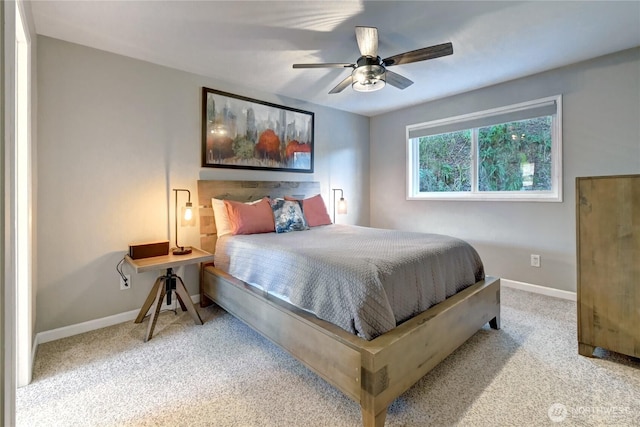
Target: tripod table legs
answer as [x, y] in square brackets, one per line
[156, 296]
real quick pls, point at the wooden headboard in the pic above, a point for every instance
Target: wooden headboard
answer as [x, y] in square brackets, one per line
[243, 191]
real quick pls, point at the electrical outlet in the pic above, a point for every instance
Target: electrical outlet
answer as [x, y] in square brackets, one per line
[124, 285]
[535, 260]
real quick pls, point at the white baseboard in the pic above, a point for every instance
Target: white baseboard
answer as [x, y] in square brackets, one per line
[91, 325]
[536, 289]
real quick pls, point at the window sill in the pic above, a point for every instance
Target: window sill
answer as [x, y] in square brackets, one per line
[489, 197]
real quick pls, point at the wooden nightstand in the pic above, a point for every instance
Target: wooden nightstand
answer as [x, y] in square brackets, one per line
[172, 282]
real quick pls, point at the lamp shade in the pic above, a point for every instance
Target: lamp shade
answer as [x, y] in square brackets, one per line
[342, 206]
[187, 219]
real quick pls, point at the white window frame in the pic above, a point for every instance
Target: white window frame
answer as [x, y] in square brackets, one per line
[553, 195]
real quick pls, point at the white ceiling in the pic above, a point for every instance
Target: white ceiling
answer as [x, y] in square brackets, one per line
[254, 44]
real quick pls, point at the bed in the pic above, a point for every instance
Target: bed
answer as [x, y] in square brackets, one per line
[372, 372]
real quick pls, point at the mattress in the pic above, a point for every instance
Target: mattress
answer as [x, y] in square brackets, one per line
[364, 280]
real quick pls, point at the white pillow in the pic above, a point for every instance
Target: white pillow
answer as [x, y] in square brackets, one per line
[220, 215]
[223, 225]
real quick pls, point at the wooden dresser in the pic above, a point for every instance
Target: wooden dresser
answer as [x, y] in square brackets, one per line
[608, 261]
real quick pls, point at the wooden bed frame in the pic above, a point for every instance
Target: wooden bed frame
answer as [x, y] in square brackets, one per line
[373, 373]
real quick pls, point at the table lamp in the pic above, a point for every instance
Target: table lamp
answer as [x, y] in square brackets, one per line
[342, 204]
[187, 218]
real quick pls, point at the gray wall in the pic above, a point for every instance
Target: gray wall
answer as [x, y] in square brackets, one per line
[115, 135]
[601, 136]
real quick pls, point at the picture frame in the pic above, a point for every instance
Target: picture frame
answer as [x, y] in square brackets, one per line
[245, 133]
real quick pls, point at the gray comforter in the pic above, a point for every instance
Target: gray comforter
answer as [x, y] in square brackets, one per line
[364, 280]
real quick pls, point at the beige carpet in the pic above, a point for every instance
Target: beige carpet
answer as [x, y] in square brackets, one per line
[224, 374]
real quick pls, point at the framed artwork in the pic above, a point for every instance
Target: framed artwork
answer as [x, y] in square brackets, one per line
[244, 133]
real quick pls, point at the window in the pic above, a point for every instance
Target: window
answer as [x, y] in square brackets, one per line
[507, 153]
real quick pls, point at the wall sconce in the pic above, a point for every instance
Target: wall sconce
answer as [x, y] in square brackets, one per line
[187, 218]
[342, 204]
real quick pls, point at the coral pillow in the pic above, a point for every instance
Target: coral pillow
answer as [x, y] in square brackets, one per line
[221, 217]
[314, 211]
[250, 219]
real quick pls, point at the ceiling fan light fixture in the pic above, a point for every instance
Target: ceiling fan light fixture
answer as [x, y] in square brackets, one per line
[370, 71]
[368, 78]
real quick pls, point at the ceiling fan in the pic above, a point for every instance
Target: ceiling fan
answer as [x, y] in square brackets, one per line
[370, 71]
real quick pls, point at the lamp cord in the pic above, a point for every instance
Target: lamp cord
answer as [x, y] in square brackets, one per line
[119, 270]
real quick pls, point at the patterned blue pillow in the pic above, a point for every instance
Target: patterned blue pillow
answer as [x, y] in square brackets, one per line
[288, 216]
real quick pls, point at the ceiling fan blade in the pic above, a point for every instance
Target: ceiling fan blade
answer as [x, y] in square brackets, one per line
[395, 79]
[420, 54]
[367, 38]
[342, 85]
[326, 65]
